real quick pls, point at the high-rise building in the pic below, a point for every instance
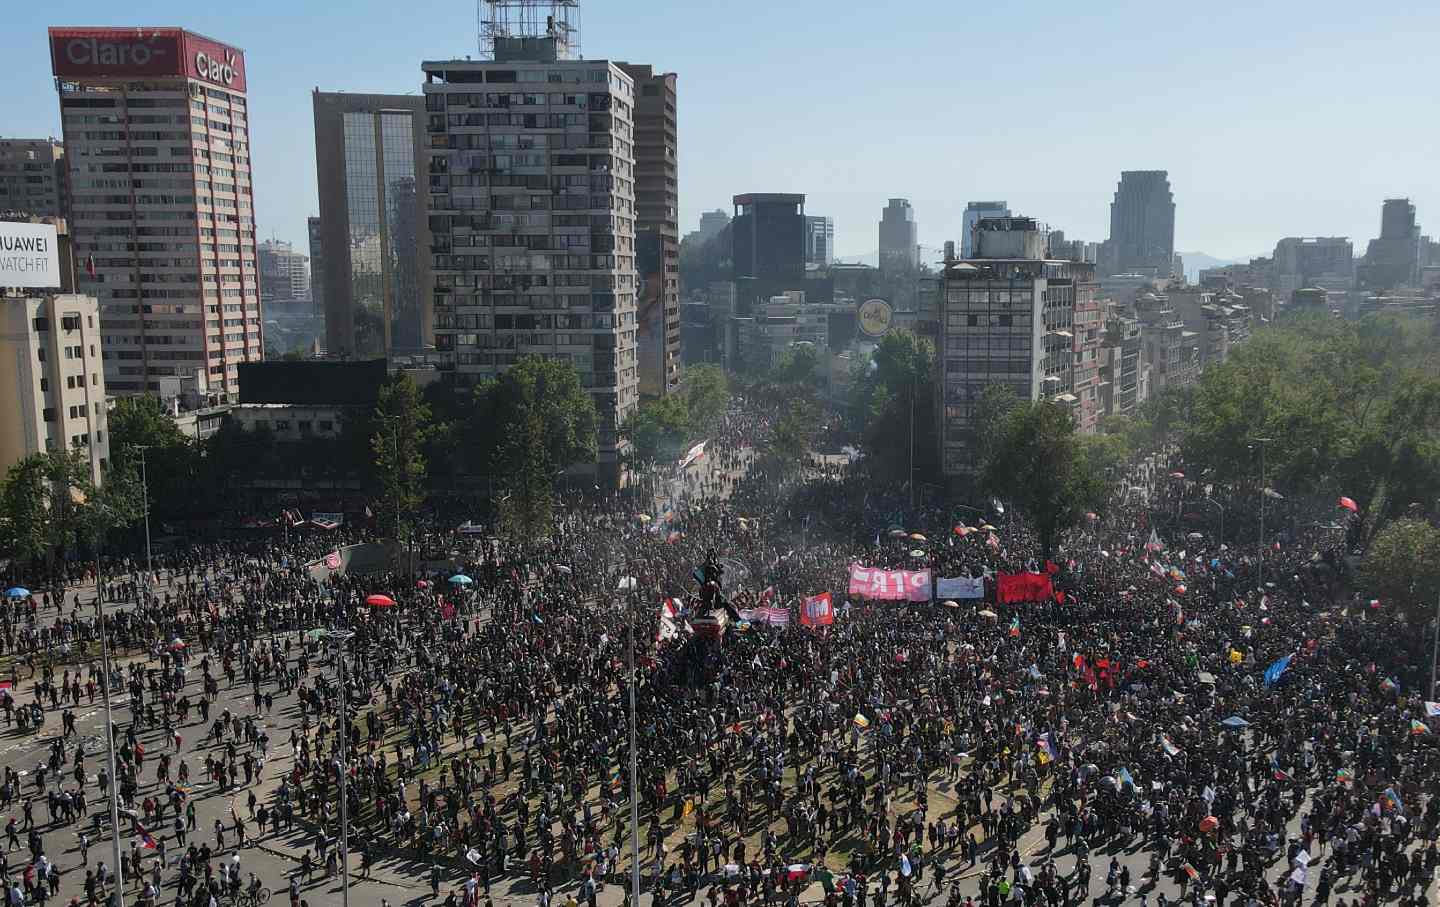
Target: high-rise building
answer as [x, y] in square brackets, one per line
[284, 273]
[1327, 262]
[368, 151]
[768, 235]
[974, 211]
[52, 380]
[712, 222]
[32, 177]
[1393, 260]
[157, 148]
[530, 204]
[657, 230]
[819, 240]
[1142, 224]
[899, 237]
[1006, 317]
[317, 265]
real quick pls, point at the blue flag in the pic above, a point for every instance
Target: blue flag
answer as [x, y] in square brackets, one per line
[1276, 670]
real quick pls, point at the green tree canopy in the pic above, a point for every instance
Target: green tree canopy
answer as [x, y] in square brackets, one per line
[658, 429]
[707, 396]
[401, 424]
[1038, 462]
[1402, 567]
[140, 427]
[894, 399]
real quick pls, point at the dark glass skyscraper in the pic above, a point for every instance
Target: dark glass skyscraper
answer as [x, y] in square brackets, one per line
[1142, 223]
[365, 152]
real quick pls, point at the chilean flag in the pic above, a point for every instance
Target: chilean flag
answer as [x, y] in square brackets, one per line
[146, 841]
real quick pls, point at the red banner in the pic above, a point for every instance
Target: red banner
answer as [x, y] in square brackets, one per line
[890, 585]
[1023, 587]
[817, 611]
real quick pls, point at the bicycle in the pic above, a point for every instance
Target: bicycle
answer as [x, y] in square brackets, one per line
[246, 899]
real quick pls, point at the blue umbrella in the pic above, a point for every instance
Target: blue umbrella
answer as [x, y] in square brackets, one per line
[461, 579]
[17, 592]
[1235, 722]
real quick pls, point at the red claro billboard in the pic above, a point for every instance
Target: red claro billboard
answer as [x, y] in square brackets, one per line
[126, 52]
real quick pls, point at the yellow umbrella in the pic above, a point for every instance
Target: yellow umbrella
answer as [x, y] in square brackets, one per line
[917, 537]
[987, 527]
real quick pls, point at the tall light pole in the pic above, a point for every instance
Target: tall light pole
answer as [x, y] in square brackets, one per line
[1262, 442]
[119, 890]
[1210, 500]
[628, 586]
[340, 637]
[1435, 649]
[145, 492]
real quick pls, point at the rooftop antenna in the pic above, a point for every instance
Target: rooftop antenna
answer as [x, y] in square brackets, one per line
[509, 22]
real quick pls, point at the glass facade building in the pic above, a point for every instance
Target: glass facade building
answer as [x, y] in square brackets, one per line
[365, 155]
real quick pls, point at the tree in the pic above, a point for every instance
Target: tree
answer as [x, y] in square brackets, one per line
[1402, 567]
[794, 433]
[402, 421]
[1037, 462]
[171, 460]
[540, 422]
[658, 429]
[707, 396]
[894, 401]
[798, 366]
[996, 403]
[48, 503]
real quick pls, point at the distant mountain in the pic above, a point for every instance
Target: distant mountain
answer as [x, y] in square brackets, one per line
[928, 255]
[1195, 262]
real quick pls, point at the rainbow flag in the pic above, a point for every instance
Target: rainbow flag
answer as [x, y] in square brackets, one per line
[1169, 745]
[1419, 727]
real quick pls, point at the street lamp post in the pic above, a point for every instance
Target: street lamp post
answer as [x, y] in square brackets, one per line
[1435, 649]
[145, 492]
[1216, 503]
[119, 890]
[1261, 566]
[340, 637]
[628, 585]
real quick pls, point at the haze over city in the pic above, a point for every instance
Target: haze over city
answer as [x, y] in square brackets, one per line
[1285, 119]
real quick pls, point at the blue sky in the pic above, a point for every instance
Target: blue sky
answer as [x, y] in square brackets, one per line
[1274, 119]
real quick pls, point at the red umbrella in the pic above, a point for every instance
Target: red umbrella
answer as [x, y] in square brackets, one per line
[1209, 824]
[422, 584]
[1349, 504]
[380, 601]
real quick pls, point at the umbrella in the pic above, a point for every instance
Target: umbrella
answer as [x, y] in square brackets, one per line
[561, 568]
[1235, 723]
[1179, 590]
[422, 584]
[460, 579]
[1177, 474]
[918, 537]
[1195, 535]
[1092, 515]
[962, 530]
[317, 633]
[1209, 824]
[1348, 503]
[951, 604]
[177, 644]
[988, 614]
[916, 552]
[987, 527]
[898, 533]
[380, 601]
[17, 592]
[643, 517]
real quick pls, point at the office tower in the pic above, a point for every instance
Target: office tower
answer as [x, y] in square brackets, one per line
[284, 273]
[819, 241]
[1327, 262]
[367, 149]
[657, 230]
[1393, 260]
[530, 204]
[32, 177]
[899, 237]
[712, 222]
[1007, 317]
[157, 143]
[317, 265]
[974, 211]
[768, 235]
[1142, 224]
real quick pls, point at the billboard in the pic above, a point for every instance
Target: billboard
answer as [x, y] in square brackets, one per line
[79, 53]
[29, 255]
[874, 317]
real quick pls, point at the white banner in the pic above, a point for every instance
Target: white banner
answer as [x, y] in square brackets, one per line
[29, 255]
[960, 587]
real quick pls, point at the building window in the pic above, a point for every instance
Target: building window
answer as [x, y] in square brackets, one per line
[48, 414]
[44, 385]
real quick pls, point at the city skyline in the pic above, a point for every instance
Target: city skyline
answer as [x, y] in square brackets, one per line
[1207, 118]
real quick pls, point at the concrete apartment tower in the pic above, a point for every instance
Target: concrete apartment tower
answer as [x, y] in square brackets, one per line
[32, 177]
[157, 139]
[529, 194]
[974, 212]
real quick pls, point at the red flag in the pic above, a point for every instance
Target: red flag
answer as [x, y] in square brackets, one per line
[817, 611]
[1051, 567]
[1348, 503]
[1059, 596]
[90, 265]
